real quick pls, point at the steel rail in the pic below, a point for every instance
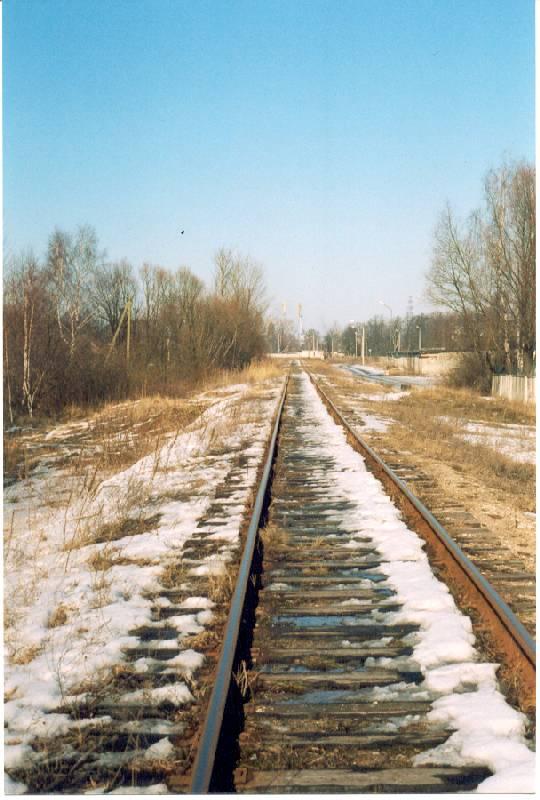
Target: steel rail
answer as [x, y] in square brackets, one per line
[203, 766]
[508, 619]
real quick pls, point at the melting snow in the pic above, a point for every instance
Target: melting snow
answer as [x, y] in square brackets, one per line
[94, 594]
[487, 730]
[518, 442]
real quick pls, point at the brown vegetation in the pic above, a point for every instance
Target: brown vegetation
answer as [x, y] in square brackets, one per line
[79, 331]
[485, 272]
[420, 414]
[426, 424]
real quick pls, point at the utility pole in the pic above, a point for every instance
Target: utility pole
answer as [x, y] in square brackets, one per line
[363, 346]
[281, 327]
[382, 303]
[408, 320]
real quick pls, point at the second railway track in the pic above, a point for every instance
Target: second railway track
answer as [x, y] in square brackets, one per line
[330, 691]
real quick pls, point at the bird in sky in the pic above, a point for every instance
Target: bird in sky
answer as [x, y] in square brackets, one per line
[181, 233]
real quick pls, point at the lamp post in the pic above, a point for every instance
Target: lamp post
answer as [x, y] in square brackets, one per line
[354, 325]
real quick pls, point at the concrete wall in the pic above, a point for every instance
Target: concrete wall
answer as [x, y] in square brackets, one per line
[436, 364]
[514, 387]
[299, 354]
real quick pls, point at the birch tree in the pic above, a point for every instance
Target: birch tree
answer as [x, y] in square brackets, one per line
[484, 270]
[72, 262]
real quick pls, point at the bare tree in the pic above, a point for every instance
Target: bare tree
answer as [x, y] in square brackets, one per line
[114, 284]
[26, 291]
[510, 252]
[484, 270]
[72, 263]
[239, 281]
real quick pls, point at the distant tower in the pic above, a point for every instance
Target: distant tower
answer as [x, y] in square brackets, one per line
[300, 325]
[410, 309]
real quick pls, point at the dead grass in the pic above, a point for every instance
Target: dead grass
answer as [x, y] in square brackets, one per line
[419, 429]
[257, 372]
[128, 526]
[202, 641]
[274, 537]
[173, 575]
[13, 457]
[220, 587]
[58, 617]
[140, 429]
[24, 655]
[19, 458]
[470, 406]
[119, 434]
[103, 560]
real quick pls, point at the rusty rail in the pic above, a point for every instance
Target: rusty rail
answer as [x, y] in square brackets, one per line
[507, 634]
[203, 766]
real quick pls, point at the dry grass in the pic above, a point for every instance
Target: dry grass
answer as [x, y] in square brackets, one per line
[204, 640]
[58, 617]
[220, 587]
[419, 429]
[24, 655]
[19, 458]
[103, 560]
[257, 372]
[274, 537]
[119, 434]
[468, 405]
[13, 457]
[173, 575]
[113, 439]
[127, 526]
[131, 432]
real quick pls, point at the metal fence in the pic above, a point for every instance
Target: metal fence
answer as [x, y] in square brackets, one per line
[514, 387]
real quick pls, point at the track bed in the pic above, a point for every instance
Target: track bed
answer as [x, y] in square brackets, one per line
[336, 700]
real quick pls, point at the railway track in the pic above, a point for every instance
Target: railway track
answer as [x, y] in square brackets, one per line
[327, 680]
[328, 694]
[510, 573]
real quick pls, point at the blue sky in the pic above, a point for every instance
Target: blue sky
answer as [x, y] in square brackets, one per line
[321, 138]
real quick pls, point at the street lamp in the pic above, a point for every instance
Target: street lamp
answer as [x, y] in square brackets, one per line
[386, 306]
[391, 325]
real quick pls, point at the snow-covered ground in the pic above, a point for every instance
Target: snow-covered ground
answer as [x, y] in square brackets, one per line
[486, 730]
[379, 376]
[518, 442]
[73, 592]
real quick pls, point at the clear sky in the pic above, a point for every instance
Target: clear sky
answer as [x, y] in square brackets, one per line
[322, 137]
